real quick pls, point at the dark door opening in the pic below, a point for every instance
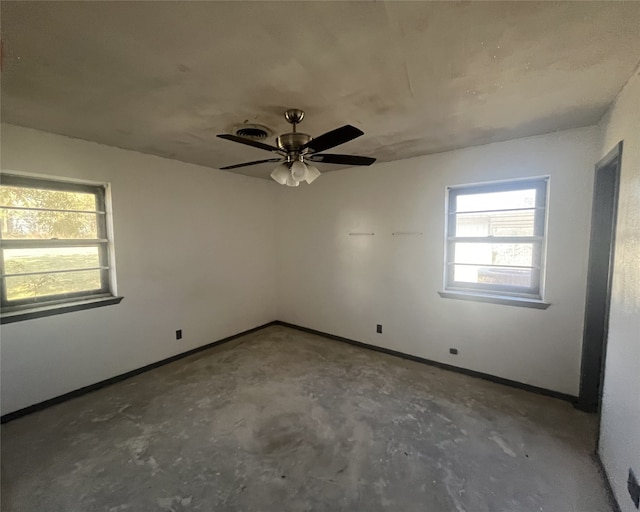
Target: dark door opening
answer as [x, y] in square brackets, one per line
[601, 252]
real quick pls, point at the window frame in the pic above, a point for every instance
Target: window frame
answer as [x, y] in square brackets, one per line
[502, 293]
[52, 304]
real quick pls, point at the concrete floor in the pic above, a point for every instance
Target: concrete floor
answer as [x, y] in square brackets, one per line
[281, 420]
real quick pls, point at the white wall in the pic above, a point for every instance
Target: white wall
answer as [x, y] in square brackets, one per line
[195, 250]
[620, 420]
[345, 285]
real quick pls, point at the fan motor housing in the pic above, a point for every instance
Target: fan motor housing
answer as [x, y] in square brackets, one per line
[292, 142]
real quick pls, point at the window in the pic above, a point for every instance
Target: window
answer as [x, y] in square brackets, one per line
[496, 238]
[55, 243]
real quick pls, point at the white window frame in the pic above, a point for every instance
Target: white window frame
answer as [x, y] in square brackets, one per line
[503, 293]
[27, 308]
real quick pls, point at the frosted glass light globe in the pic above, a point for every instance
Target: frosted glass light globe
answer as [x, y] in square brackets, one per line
[312, 174]
[298, 170]
[281, 173]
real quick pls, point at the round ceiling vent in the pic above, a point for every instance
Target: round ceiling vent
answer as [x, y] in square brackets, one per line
[252, 131]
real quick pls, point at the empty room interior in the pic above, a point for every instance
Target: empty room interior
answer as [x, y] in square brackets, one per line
[320, 256]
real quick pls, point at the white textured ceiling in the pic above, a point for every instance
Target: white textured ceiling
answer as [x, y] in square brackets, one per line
[416, 77]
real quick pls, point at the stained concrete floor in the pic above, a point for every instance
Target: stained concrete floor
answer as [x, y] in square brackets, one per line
[282, 420]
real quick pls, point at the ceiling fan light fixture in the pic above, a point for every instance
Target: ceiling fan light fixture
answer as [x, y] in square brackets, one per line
[281, 173]
[312, 174]
[299, 170]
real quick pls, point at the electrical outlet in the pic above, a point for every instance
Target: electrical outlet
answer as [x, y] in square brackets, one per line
[453, 351]
[179, 334]
[379, 328]
[634, 488]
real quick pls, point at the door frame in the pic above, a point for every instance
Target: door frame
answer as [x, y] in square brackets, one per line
[598, 297]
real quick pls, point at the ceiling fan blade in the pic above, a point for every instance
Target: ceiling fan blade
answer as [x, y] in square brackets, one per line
[333, 138]
[342, 159]
[248, 142]
[252, 163]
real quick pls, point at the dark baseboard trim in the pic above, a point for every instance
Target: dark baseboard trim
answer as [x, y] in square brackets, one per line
[103, 383]
[591, 408]
[612, 497]
[472, 373]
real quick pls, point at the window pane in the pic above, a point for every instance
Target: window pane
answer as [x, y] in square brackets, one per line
[494, 254]
[493, 275]
[43, 285]
[41, 198]
[25, 224]
[519, 223]
[20, 261]
[496, 200]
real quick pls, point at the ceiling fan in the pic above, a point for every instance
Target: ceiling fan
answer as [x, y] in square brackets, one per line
[297, 150]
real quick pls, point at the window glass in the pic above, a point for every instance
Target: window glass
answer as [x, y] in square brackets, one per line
[21, 261]
[494, 254]
[29, 224]
[513, 223]
[29, 197]
[43, 286]
[504, 276]
[489, 201]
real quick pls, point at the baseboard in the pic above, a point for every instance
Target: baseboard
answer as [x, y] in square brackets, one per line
[612, 497]
[118, 378]
[590, 408]
[472, 373]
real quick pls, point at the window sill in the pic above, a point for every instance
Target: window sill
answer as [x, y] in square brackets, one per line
[43, 310]
[505, 300]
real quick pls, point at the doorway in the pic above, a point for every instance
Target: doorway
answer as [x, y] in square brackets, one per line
[599, 279]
